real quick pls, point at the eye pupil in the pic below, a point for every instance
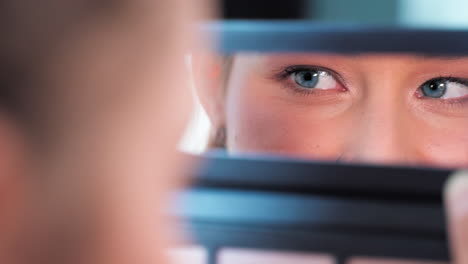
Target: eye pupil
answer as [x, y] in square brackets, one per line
[307, 78]
[434, 88]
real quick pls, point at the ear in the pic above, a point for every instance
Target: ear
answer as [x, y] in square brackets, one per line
[210, 74]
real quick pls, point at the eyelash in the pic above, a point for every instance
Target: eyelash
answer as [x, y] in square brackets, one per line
[446, 79]
[286, 72]
[283, 74]
[449, 104]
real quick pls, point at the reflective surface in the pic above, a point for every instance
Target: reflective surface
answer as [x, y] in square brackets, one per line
[392, 109]
[360, 82]
[420, 13]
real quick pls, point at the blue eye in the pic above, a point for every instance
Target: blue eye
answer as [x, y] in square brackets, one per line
[434, 88]
[307, 78]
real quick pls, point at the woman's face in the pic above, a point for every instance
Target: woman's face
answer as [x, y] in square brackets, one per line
[390, 109]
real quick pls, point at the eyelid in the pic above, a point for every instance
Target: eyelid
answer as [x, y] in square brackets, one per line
[462, 81]
[451, 106]
[285, 71]
[458, 80]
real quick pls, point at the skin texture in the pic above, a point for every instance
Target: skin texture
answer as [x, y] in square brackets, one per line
[375, 114]
[113, 138]
[14, 189]
[89, 183]
[96, 193]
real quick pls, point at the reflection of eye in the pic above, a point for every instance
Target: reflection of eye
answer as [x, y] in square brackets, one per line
[310, 80]
[313, 79]
[445, 88]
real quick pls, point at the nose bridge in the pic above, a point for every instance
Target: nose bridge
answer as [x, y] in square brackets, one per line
[379, 139]
[379, 123]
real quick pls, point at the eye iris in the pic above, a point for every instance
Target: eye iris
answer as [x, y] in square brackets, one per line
[434, 89]
[307, 78]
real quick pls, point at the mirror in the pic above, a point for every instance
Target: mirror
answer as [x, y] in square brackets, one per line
[392, 109]
[347, 93]
[355, 82]
[415, 13]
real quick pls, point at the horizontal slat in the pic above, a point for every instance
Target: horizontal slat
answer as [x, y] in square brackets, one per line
[305, 36]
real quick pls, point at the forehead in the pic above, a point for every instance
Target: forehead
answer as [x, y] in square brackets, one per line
[364, 56]
[413, 61]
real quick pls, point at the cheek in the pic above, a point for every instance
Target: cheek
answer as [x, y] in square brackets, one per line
[257, 122]
[446, 147]
[441, 140]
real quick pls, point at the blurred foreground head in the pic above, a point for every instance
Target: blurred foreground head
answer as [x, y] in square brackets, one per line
[89, 119]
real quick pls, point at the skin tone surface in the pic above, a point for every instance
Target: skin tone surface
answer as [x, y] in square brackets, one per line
[399, 109]
[96, 194]
[374, 108]
[90, 182]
